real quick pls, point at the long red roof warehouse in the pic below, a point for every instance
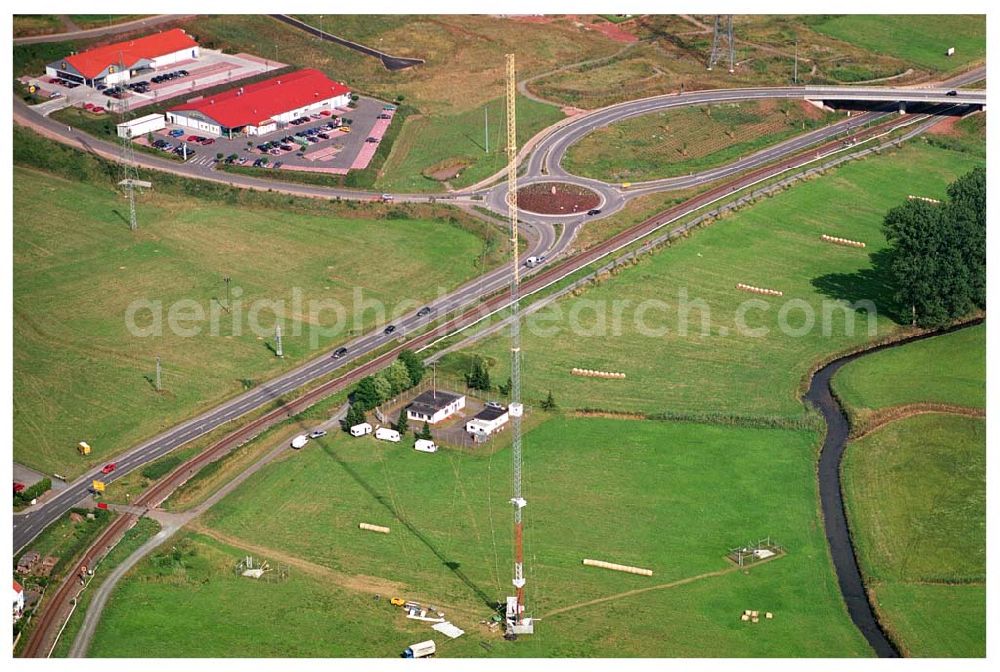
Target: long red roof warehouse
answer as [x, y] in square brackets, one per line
[256, 103]
[91, 63]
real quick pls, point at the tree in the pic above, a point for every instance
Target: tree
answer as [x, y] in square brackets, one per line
[413, 365]
[399, 377]
[505, 388]
[479, 377]
[549, 404]
[366, 395]
[354, 416]
[937, 253]
[425, 432]
[383, 388]
[402, 423]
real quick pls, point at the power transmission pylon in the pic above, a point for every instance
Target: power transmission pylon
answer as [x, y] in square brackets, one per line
[277, 340]
[159, 387]
[129, 172]
[516, 622]
[718, 37]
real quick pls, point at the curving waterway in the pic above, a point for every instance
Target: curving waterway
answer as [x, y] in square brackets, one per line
[838, 535]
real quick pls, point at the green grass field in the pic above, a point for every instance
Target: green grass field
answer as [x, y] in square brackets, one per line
[949, 369]
[81, 375]
[918, 39]
[456, 143]
[450, 545]
[687, 140]
[774, 243]
[26, 25]
[915, 493]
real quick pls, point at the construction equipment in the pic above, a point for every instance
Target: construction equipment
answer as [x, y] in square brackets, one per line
[517, 623]
[397, 601]
[83, 448]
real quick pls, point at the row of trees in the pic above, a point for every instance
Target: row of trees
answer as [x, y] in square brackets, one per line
[937, 253]
[406, 372]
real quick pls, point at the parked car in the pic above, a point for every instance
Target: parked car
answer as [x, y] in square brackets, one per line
[317, 433]
[207, 141]
[176, 133]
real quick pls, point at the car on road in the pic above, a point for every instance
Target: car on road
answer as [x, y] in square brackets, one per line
[386, 198]
[952, 93]
[594, 211]
[109, 467]
[371, 138]
[426, 310]
[388, 330]
[317, 433]
[339, 352]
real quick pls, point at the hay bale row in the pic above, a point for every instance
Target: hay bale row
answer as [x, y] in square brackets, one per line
[841, 241]
[373, 528]
[925, 199]
[590, 373]
[758, 290]
[753, 616]
[618, 568]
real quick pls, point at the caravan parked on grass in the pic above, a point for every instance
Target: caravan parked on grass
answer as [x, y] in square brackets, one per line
[425, 446]
[361, 429]
[386, 434]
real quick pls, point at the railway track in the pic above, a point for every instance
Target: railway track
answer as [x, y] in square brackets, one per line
[41, 640]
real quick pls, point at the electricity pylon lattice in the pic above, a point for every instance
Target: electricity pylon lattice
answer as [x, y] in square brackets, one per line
[129, 171]
[723, 34]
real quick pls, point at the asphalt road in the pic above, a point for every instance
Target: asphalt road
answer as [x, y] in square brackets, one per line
[543, 163]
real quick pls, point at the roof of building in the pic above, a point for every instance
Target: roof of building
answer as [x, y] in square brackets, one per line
[490, 413]
[255, 103]
[92, 62]
[17, 587]
[432, 401]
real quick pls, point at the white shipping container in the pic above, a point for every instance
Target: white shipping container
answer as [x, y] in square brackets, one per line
[425, 446]
[386, 434]
[361, 429]
[139, 127]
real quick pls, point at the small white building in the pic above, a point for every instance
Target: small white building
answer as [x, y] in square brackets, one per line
[18, 600]
[433, 406]
[136, 128]
[487, 421]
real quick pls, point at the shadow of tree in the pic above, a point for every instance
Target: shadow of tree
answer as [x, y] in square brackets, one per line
[868, 284]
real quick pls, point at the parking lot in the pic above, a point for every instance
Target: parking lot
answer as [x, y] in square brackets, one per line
[311, 144]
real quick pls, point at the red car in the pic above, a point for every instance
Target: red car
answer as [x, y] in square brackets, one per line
[18, 487]
[192, 138]
[207, 141]
[108, 468]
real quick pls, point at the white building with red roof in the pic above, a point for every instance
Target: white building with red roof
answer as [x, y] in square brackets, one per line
[18, 600]
[256, 109]
[119, 62]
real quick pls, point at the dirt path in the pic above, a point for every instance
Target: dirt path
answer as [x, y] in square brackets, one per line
[640, 591]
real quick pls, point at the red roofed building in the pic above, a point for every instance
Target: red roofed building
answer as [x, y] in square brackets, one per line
[256, 109]
[116, 63]
[18, 600]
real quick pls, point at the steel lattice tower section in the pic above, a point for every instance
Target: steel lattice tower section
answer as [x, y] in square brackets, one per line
[718, 37]
[129, 172]
[517, 623]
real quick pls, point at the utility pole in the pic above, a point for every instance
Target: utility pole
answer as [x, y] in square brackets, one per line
[277, 340]
[486, 133]
[229, 305]
[159, 387]
[795, 68]
[321, 31]
[516, 622]
[129, 172]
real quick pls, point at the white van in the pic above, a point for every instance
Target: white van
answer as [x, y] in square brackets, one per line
[361, 430]
[531, 262]
[300, 441]
[425, 446]
[386, 434]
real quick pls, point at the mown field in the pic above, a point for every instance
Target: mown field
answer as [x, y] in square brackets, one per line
[687, 140]
[81, 374]
[723, 364]
[919, 39]
[450, 545]
[915, 492]
[948, 369]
